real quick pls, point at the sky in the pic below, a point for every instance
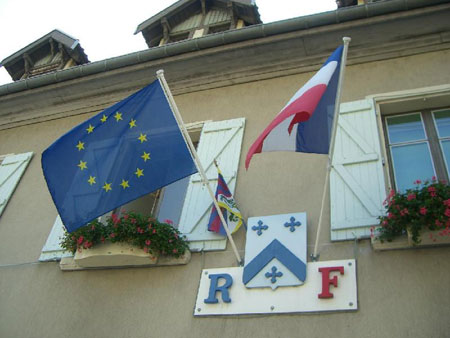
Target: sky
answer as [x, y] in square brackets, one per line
[106, 29]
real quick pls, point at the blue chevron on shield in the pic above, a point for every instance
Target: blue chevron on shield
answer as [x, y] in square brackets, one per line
[275, 252]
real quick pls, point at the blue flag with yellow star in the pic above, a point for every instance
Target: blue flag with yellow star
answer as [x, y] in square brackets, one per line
[126, 151]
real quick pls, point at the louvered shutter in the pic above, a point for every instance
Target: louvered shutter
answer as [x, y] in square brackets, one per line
[52, 250]
[221, 141]
[357, 187]
[11, 170]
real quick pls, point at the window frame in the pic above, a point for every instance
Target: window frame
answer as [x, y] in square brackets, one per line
[431, 139]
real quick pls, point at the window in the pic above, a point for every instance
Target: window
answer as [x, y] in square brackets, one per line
[12, 167]
[219, 140]
[418, 146]
[386, 141]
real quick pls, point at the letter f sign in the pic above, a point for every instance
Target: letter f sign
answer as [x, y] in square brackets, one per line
[326, 281]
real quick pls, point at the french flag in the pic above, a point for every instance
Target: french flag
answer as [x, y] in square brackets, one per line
[304, 124]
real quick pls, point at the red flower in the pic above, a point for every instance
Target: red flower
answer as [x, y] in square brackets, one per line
[102, 239]
[391, 215]
[447, 202]
[80, 240]
[423, 210]
[433, 178]
[125, 216]
[411, 197]
[133, 221]
[447, 212]
[404, 212]
[174, 250]
[148, 242]
[417, 181]
[168, 221]
[438, 223]
[112, 235]
[154, 231]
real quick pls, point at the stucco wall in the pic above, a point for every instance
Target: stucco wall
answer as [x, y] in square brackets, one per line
[401, 293]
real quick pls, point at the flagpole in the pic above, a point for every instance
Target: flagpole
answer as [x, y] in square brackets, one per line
[201, 171]
[346, 40]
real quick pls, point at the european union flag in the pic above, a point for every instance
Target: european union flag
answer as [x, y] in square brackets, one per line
[126, 151]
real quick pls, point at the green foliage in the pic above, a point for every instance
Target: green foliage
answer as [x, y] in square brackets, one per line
[143, 231]
[426, 206]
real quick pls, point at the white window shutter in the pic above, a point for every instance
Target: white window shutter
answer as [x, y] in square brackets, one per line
[357, 187]
[52, 250]
[11, 170]
[222, 141]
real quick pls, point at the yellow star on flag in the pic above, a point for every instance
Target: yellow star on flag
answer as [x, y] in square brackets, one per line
[107, 187]
[104, 118]
[82, 165]
[90, 129]
[91, 180]
[139, 172]
[124, 184]
[132, 123]
[80, 145]
[142, 138]
[146, 156]
[118, 116]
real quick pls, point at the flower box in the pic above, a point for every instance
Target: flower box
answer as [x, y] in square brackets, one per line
[118, 255]
[430, 238]
[401, 242]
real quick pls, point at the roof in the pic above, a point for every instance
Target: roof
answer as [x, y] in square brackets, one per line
[14, 63]
[185, 5]
[339, 16]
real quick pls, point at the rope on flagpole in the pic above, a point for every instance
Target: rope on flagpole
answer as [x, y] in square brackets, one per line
[201, 171]
[315, 255]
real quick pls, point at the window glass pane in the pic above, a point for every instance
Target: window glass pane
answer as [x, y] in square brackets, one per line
[446, 152]
[405, 128]
[442, 119]
[411, 162]
[172, 201]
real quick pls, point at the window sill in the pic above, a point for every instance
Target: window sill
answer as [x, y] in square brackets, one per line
[117, 255]
[427, 239]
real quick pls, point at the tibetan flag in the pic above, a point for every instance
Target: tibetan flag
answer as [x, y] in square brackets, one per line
[228, 207]
[304, 124]
[126, 151]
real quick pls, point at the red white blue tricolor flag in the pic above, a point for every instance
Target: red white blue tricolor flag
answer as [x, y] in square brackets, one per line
[228, 207]
[305, 123]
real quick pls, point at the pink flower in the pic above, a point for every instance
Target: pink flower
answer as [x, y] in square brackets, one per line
[125, 216]
[168, 221]
[112, 235]
[174, 250]
[148, 242]
[438, 223]
[391, 215]
[404, 212]
[411, 197]
[80, 240]
[447, 212]
[385, 223]
[139, 230]
[133, 221]
[417, 181]
[175, 235]
[433, 194]
[431, 189]
[154, 231]
[170, 241]
[433, 178]
[423, 210]
[447, 202]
